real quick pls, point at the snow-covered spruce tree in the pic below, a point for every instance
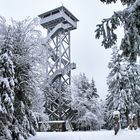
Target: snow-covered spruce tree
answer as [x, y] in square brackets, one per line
[117, 99]
[7, 84]
[133, 85]
[84, 101]
[129, 18]
[123, 85]
[93, 89]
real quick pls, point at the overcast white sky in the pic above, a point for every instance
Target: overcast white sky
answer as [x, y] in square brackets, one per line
[87, 52]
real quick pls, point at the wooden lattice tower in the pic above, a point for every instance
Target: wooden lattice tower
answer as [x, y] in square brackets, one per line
[58, 22]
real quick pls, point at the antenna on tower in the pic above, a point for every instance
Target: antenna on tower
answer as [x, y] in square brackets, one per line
[62, 4]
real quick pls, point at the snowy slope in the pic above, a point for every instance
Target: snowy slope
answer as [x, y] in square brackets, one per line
[95, 135]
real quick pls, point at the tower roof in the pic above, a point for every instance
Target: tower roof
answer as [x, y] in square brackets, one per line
[56, 10]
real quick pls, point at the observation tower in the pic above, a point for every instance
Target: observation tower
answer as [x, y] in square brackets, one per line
[58, 22]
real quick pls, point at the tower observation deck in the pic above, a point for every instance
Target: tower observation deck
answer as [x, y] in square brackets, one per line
[58, 22]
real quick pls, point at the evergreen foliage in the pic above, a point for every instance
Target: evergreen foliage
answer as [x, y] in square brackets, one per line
[129, 18]
[17, 82]
[7, 95]
[124, 2]
[117, 98]
[24, 36]
[123, 86]
[82, 97]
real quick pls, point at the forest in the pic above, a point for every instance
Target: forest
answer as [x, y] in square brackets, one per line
[25, 90]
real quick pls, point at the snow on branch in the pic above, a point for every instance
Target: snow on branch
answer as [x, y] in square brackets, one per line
[129, 18]
[124, 2]
[107, 28]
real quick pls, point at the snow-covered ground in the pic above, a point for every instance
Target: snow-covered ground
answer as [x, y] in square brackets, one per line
[95, 135]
